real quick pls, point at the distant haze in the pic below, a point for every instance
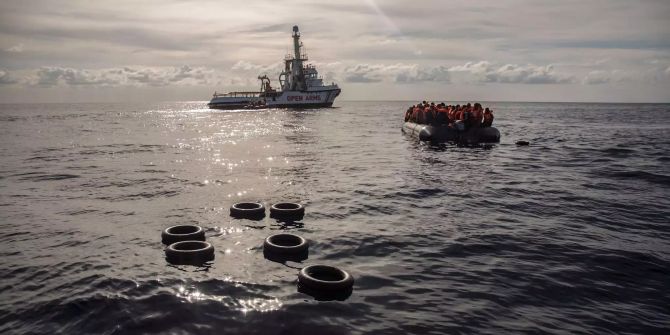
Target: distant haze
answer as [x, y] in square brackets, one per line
[509, 50]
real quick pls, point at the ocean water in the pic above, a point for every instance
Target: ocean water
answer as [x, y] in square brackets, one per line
[570, 235]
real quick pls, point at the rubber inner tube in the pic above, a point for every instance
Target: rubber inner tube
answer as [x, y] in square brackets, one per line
[285, 244]
[326, 278]
[189, 252]
[250, 210]
[287, 210]
[182, 233]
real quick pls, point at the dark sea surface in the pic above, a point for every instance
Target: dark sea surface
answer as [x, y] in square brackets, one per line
[570, 235]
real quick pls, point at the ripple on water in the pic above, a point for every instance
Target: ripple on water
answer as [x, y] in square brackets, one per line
[568, 235]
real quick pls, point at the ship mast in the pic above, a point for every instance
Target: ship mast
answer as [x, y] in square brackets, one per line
[298, 77]
[293, 76]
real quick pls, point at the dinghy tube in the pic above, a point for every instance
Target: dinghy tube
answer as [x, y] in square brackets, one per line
[433, 133]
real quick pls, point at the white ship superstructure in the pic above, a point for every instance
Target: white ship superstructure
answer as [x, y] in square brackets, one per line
[299, 86]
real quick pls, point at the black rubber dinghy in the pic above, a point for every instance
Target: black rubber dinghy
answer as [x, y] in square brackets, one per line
[448, 134]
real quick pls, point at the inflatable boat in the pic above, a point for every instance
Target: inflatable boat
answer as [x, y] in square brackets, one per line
[443, 133]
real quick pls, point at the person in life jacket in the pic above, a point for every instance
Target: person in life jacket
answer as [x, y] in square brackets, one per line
[465, 116]
[451, 113]
[488, 118]
[476, 115]
[408, 113]
[429, 113]
[415, 114]
[420, 115]
[442, 114]
[457, 112]
[459, 116]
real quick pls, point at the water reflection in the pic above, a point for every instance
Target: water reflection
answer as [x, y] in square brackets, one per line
[255, 304]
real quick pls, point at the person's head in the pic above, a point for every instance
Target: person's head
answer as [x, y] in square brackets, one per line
[468, 105]
[487, 110]
[478, 105]
[424, 102]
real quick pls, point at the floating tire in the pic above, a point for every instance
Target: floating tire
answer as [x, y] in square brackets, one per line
[182, 233]
[189, 252]
[285, 244]
[287, 210]
[250, 210]
[325, 278]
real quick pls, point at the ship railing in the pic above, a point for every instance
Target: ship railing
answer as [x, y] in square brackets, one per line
[253, 94]
[290, 57]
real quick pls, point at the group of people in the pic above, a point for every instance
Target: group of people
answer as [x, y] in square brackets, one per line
[460, 116]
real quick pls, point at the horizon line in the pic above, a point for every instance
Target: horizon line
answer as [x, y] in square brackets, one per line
[352, 100]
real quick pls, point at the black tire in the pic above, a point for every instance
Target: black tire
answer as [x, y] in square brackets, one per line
[251, 210]
[325, 278]
[285, 244]
[189, 252]
[182, 233]
[287, 210]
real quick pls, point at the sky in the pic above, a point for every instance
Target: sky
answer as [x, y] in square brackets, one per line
[446, 50]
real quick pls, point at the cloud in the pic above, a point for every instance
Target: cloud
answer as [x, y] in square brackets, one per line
[423, 74]
[485, 72]
[614, 43]
[597, 77]
[399, 73]
[6, 78]
[652, 75]
[470, 72]
[125, 76]
[364, 73]
[15, 48]
[272, 28]
[255, 68]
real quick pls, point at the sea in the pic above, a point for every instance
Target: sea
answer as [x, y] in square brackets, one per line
[568, 235]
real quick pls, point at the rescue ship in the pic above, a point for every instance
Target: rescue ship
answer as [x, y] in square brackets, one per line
[299, 87]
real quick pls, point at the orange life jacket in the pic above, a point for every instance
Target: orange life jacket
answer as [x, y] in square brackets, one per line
[476, 115]
[415, 114]
[488, 118]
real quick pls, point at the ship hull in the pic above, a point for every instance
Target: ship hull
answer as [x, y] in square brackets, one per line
[285, 99]
[228, 102]
[227, 105]
[303, 99]
[432, 133]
